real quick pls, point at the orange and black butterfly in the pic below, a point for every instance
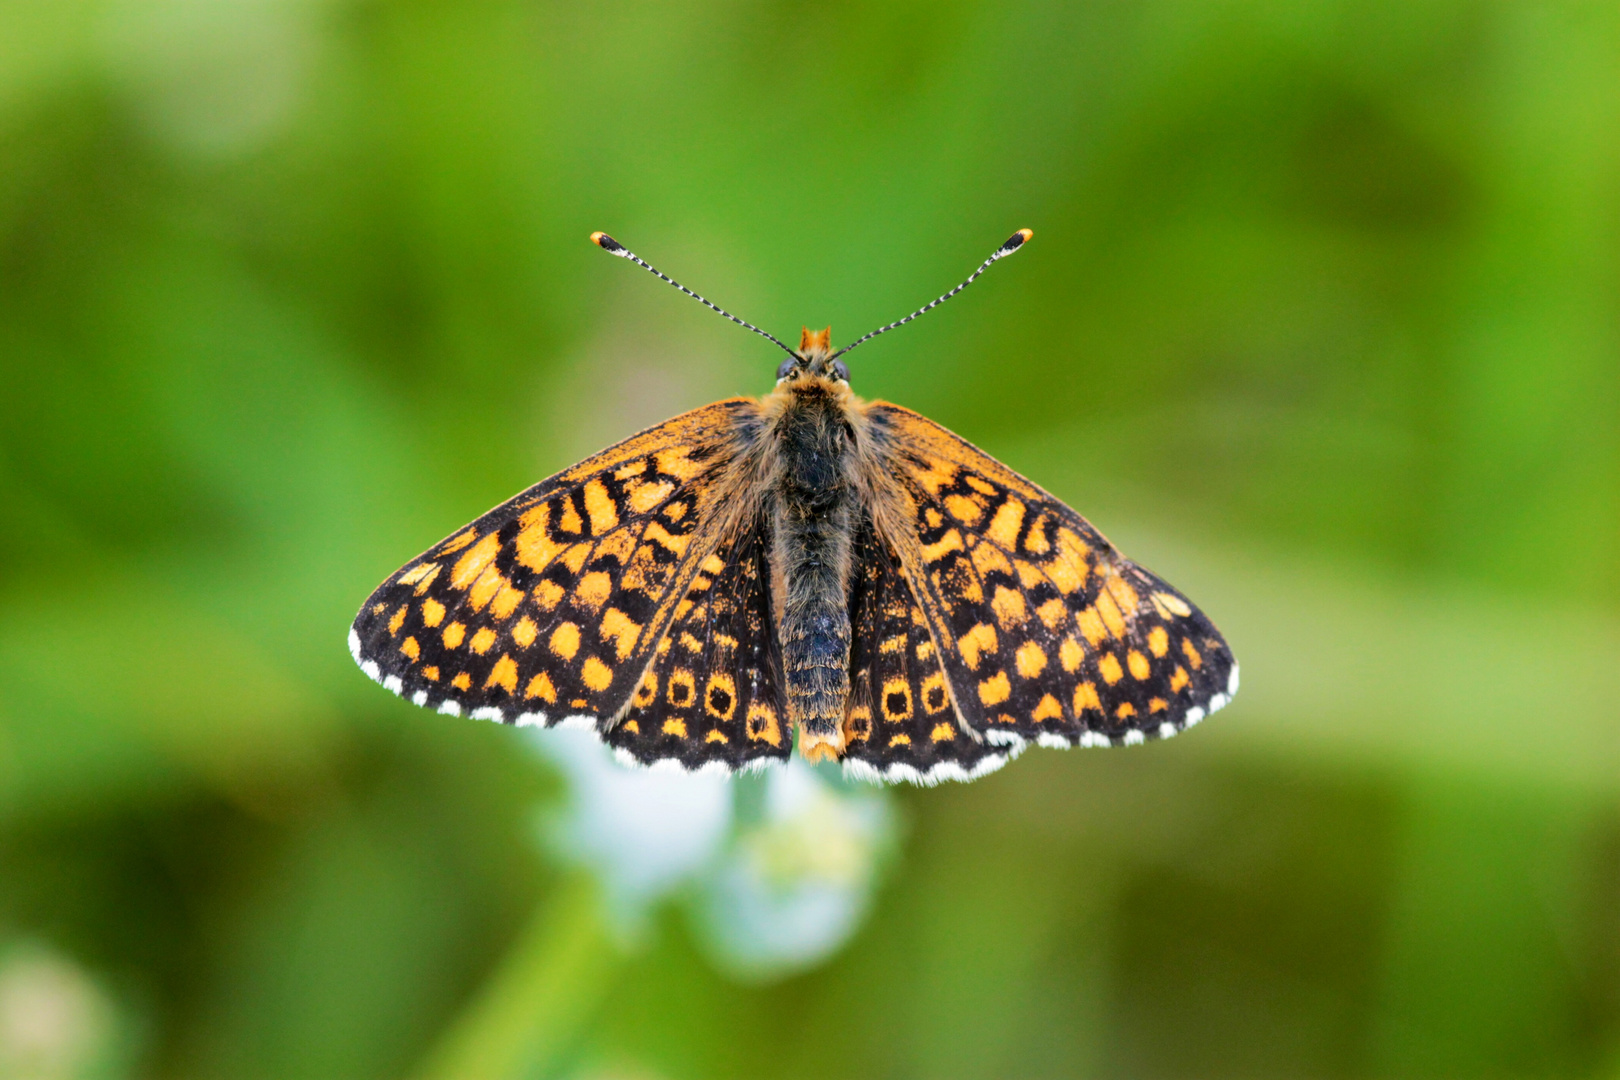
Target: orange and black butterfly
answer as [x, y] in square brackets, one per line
[807, 567]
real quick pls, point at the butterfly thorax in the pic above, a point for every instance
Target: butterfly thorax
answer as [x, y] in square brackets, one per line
[813, 511]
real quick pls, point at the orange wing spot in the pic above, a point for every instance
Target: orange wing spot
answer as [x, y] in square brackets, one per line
[431, 673]
[676, 727]
[1158, 641]
[1029, 575]
[1124, 595]
[456, 543]
[1178, 679]
[891, 646]
[593, 590]
[690, 643]
[979, 484]
[1031, 659]
[1170, 604]
[762, 724]
[976, 643]
[378, 609]
[1091, 626]
[630, 471]
[1109, 666]
[1005, 525]
[995, 689]
[484, 589]
[525, 632]
[1035, 541]
[1111, 616]
[645, 497]
[1085, 697]
[547, 594]
[964, 509]
[595, 674]
[432, 612]
[1193, 656]
[1008, 604]
[900, 740]
[410, 648]
[1140, 668]
[399, 619]
[617, 627]
[677, 463]
[463, 681]
[934, 518]
[474, 562]
[925, 649]
[540, 687]
[939, 475]
[951, 541]
[713, 565]
[716, 735]
[988, 558]
[934, 696]
[896, 700]
[657, 534]
[632, 727]
[1071, 566]
[942, 733]
[574, 558]
[506, 601]
[720, 696]
[647, 691]
[453, 635]
[565, 640]
[417, 573]
[1125, 711]
[503, 674]
[535, 545]
[681, 688]
[1070, 654]
[600, 509]
[482, 640]
[570, 522]
[1158, 704]
[1048, 709]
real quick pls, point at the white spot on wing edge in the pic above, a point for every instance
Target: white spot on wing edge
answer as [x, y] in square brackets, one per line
[1232, 682]
[488, 712]
[450, 708]
[1134, 737]
[354, 644]
[419, 698]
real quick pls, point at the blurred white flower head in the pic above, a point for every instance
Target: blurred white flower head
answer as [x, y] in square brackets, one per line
[777, 867]
[55, 1023]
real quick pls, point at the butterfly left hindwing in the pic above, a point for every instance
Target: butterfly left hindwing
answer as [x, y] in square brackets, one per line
[1048, 634]
[550, 605]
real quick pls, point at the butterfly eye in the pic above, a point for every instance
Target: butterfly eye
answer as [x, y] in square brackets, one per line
[787, 367]
[840, 372]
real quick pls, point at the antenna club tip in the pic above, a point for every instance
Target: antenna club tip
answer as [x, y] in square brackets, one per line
[605, 242]
[1027, 234]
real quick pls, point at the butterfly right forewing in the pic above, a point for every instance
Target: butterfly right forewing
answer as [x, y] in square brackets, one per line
[1047, 633]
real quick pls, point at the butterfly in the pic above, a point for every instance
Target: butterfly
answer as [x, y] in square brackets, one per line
[806, 568]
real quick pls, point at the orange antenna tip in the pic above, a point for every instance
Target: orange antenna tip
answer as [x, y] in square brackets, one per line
[1027, 234]
[606, 242]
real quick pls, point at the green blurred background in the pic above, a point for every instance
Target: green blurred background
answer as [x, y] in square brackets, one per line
[1320, 322]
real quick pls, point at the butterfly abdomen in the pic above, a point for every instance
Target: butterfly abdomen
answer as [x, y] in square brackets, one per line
[813, 515]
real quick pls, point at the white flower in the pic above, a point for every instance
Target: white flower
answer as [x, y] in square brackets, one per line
[779, 866]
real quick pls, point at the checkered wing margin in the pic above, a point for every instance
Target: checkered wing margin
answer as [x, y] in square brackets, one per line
[551, 605]
[1047, 633]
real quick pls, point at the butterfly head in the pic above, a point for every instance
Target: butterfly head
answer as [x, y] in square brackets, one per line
[813, 357]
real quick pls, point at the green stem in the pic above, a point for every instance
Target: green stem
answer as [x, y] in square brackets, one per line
[534, 1005]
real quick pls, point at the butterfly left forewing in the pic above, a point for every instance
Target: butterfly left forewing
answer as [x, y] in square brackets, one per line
[549, 605]
[1046, 632]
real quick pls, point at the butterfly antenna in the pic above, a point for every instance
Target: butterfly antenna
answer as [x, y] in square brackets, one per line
[613, 247]
[1014, 242]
